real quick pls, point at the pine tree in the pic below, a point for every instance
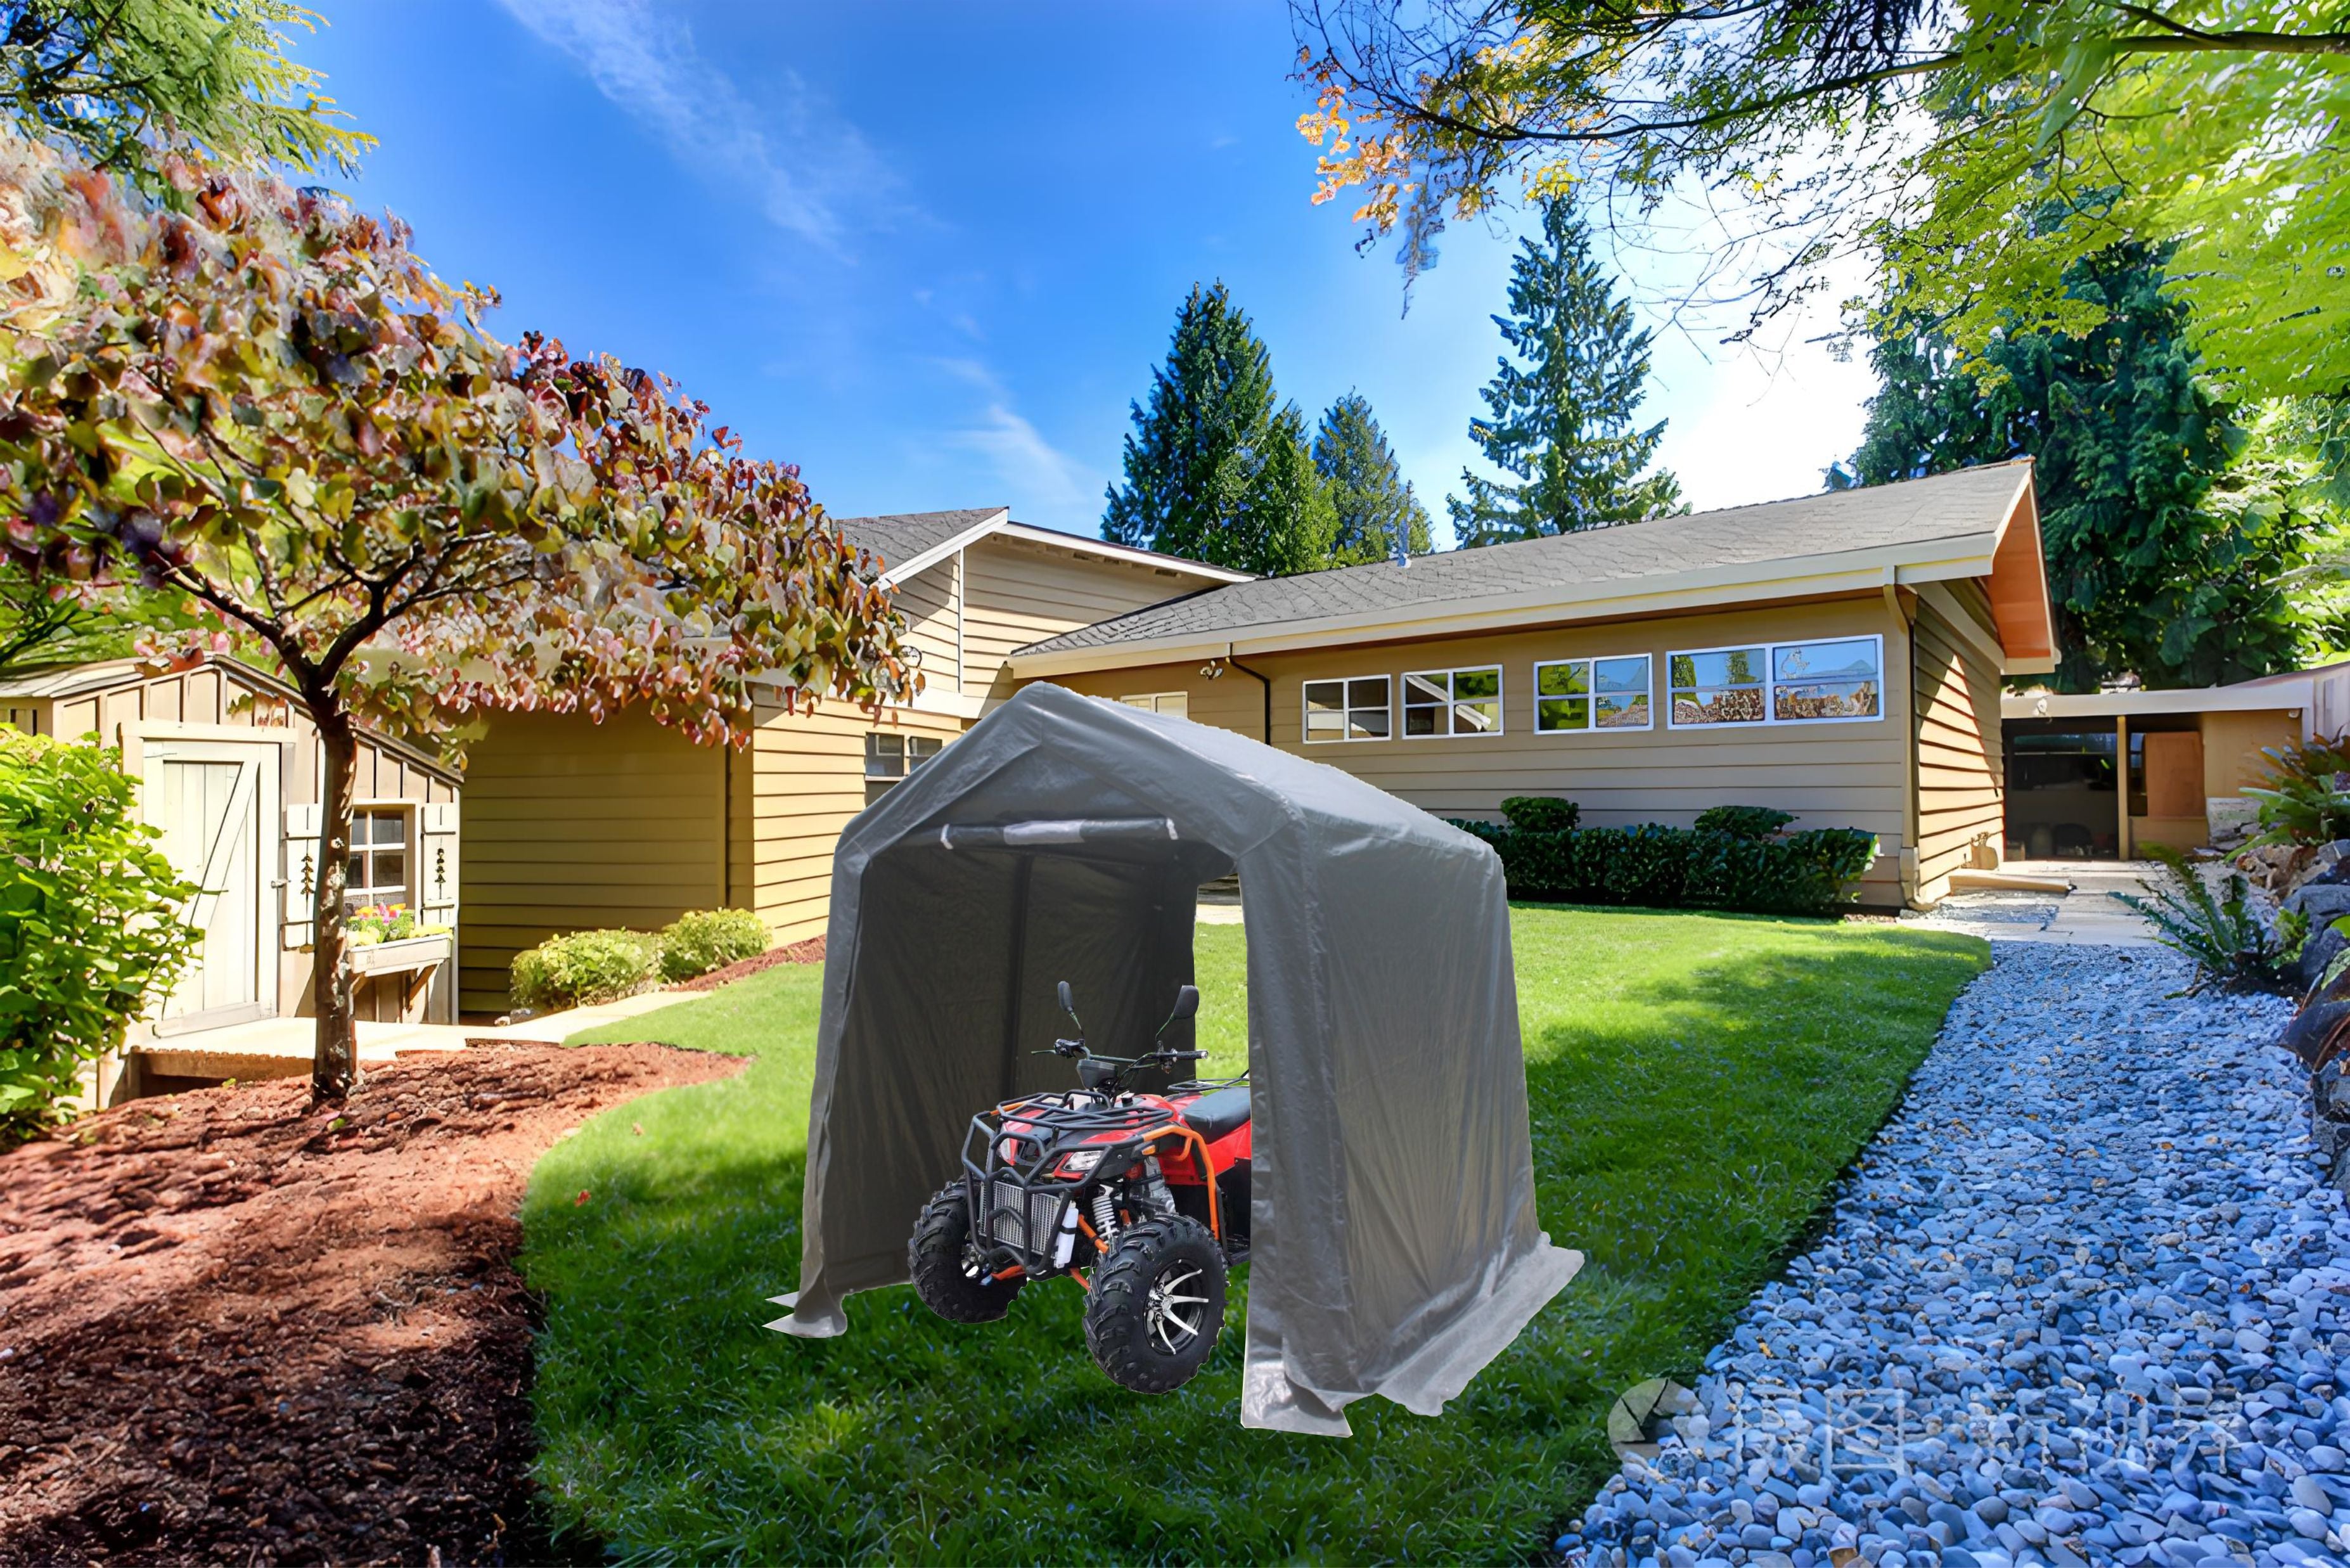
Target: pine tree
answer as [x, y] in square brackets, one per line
[1374, 504]
[2147, 576]
[1214, 469]
[1559, 412]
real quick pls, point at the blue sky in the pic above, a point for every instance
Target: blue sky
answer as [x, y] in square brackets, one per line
[930, 253]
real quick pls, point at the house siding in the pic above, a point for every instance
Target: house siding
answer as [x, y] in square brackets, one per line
[1017, 592]
[1829, 774]
[1961, 774]
[571, 826]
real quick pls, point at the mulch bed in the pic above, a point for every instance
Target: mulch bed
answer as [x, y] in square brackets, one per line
[808, 951]
[234, 1330]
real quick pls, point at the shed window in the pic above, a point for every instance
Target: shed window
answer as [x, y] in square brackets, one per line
[889, 758]
[378, 862]
[1353, 709]
[1591, 694]
[1779, 683]
[1177, 703]
[1453, 701]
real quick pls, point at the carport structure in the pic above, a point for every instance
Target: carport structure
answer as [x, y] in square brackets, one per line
[1395, 1247]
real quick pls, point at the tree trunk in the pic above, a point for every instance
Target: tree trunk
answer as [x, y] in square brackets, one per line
[335, 1061]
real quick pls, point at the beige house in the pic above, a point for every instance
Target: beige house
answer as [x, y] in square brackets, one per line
[1838, 656]
[572, 825]
[2184, 757]
[228, 766]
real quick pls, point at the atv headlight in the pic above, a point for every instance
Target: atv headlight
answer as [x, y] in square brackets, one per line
[1080, 1163]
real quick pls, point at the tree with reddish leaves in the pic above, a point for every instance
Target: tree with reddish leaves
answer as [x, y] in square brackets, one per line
[262, 400]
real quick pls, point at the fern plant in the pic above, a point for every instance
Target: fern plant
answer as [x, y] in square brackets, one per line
[2305, 799]
[2231, 946]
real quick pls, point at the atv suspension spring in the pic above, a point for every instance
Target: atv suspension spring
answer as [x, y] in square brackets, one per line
[1104, 1218]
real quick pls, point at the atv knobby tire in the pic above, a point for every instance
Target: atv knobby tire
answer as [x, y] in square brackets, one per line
[945, 1265]
[1156, 1303]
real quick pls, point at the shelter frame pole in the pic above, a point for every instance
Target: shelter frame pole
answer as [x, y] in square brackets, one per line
[1010, 1077]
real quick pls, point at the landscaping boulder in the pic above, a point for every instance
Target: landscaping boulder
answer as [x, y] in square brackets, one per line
[2322, 901]
[2329, 1119]
[2323, 945]
[2312, 1029]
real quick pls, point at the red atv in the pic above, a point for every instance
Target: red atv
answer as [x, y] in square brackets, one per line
[1142, 1198]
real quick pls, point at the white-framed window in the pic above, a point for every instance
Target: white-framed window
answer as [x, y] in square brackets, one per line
[889, 758]
[1177, 703]
[377, 870]
[1354, 709]
[1611, 693]
[1827, 680]
[1453, 701]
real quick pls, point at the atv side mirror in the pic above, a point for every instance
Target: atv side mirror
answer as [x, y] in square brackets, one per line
[1187, 1002]
[1069, 1005]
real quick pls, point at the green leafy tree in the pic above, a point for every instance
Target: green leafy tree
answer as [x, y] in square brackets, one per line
[266, 403]
[2128, 442]
[92, 918]
[48, 622]
[1560, 410]
[1214, 469]
[120, 81]
[1934, 138]
[1374, 506]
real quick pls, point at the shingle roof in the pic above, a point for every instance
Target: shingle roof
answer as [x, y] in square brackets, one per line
[1970, 501]
[900, 536]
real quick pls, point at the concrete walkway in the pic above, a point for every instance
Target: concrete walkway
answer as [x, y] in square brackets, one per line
[281, 1047]
[2089, 914]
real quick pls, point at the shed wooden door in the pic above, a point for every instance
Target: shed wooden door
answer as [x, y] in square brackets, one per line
[216, 803]
[2174, 774]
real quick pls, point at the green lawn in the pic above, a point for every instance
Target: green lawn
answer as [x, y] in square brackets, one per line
[1697, 1082]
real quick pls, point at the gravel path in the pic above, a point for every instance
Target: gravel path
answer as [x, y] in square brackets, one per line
[2085, 1300]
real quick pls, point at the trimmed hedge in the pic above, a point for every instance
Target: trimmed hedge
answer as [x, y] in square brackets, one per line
[583, 968]
[1744, 821]
[1540, 814]
[1655, 867]
[706, 939]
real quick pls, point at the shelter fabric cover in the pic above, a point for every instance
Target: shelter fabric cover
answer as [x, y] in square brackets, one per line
[1395, 1249]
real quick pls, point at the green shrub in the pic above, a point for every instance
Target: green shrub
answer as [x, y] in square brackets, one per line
[1541, 813]
[1654, 866]
[1744, 821]
[91, 922]
[710, 939]
[583, 968]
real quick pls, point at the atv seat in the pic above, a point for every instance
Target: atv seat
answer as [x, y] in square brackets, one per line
[1218, 1114]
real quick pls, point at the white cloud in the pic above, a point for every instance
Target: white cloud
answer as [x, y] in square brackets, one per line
[1047, 484]
[811, 172]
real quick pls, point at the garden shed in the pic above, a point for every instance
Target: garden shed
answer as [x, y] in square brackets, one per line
[1397, 1249]
[229, 771]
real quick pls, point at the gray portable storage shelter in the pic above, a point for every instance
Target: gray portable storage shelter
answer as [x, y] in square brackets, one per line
[1395, 1247]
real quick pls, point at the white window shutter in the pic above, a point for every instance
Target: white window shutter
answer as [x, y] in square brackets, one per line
[436, 872]
[301, 872]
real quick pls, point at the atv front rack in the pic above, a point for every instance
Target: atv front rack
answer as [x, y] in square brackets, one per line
[1010, 1155]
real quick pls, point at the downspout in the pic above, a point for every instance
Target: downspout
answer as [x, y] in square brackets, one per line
[2121, 783]
[1912, 866]
[1261, 679]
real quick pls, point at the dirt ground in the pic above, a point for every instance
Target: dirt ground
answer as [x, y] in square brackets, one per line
[234, 1330]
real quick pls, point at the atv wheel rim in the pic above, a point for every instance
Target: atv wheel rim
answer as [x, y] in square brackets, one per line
[1174, 1318]
[974, 1265]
